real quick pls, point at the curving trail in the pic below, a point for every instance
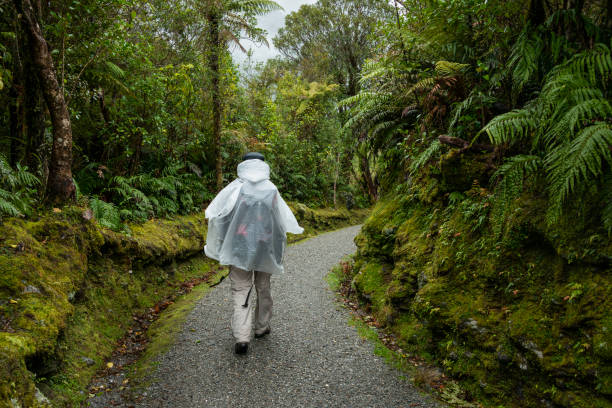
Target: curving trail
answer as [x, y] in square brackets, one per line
[313, 358]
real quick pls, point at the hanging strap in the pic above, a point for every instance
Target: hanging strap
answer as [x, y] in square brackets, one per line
[246, 302]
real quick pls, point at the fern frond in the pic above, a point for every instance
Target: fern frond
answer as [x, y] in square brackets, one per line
[573, 164]
[6, 205]
[575, 117]
[115, 69]
[422, 159]
[596, 63]
[475, 100]
[510, 178]
[448, 68]
[106, 214]
[422, 85]
[24, 178]
[511, 127]
[5, 168]
[524, 59]
[383, 127]
[18, 194]
[355, 99]
[376, 71]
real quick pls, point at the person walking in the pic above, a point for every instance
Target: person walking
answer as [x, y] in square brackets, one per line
[247, 225]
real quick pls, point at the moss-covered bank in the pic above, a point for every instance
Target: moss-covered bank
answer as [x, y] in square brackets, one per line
[68, 289]
[318, 220]
[67, 292]
[518, 312]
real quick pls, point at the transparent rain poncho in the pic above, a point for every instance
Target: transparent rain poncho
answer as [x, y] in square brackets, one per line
[248, 221]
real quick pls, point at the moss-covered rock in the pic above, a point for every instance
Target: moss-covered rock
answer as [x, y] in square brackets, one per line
[69, 286]
[522, 318]
[315, 221]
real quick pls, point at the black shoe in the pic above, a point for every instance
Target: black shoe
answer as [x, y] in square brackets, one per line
[265, 333]
[241, 348]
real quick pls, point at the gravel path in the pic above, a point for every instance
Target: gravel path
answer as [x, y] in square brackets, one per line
[313, 358]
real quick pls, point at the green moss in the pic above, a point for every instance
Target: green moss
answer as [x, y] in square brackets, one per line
[315, 221]
[68, 290]
[371, 284]
[459, 170]
[334, 278]
[163, 332]
[391, 357]
[521, 318]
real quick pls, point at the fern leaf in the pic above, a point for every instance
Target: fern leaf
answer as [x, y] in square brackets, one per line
[510, 178]
[448, 68]
[422, 159]
[575, 163]
[511, 127]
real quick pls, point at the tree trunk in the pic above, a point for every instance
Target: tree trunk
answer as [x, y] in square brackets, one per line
[15, 119]
[60, 186]
[336, 177]
[103, 108]
[215, 51]
[34, 116]
[399, 30]
[16, 103]
[372, 189]
[537, 13]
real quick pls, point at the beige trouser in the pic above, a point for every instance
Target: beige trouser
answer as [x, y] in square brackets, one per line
[242, 319]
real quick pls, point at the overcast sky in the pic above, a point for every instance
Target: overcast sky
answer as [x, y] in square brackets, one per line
[271, 23]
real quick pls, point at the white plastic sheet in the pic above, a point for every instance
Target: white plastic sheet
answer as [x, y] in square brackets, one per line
[248, 221]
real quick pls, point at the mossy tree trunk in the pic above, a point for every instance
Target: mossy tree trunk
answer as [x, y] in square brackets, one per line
[60, 186]
[367, 174]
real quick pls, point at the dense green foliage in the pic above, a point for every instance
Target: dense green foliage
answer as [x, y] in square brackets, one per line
[18, 189]
[531, 78]
[489, 130]
[146, 86]
[484, 127]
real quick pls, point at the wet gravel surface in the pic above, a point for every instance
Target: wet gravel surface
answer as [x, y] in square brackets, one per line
[312, 358]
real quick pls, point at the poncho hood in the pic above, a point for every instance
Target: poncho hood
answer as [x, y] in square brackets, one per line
[254, 171]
